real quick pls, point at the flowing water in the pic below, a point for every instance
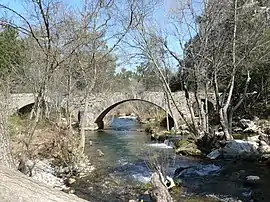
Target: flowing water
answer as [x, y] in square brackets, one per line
[126, 151]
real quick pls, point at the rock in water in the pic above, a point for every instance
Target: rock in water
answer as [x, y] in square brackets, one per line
[240, 148]
[187, 146]
[253, 178]
[214, 154]
[100, 153]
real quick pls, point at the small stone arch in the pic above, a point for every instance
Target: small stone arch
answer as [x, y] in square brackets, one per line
[25, 106]
[99, 119]
[26, 109]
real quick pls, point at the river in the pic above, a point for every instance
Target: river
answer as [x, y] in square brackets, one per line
[125, 155]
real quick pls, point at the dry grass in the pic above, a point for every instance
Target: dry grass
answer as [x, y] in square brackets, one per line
[49, 142]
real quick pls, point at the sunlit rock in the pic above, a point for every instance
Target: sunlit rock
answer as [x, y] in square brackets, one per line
[240, 148]
[214, 154]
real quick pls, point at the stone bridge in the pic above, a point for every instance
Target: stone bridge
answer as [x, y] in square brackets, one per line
[100, 104]
[20, 100]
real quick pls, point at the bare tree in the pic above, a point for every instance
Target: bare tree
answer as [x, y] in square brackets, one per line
[5, 154]
[242, 39]
[210, 51]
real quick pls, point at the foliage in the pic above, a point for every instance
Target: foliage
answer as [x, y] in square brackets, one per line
[11, 58]
[16, 125]
[10, 50]
[230, 48]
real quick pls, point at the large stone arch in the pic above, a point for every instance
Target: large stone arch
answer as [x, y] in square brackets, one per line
[99, 119]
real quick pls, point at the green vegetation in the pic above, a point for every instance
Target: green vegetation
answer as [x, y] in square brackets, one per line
[16, 125]
[144, 187]
[10, 50]
[187, 146]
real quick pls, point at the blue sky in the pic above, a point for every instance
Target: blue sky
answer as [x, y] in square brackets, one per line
[161, 17]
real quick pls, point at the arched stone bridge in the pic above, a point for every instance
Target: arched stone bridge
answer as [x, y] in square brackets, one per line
[100, 104]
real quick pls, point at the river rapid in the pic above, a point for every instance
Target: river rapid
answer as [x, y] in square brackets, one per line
[124, 167]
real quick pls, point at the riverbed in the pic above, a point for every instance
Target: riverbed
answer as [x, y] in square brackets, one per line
[125, 165]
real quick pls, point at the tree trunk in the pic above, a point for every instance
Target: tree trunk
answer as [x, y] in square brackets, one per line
[159, 192]
[14, 186]
[68, 115]
[206, 109]
[36, 112]
[224, 123]
[5, 151]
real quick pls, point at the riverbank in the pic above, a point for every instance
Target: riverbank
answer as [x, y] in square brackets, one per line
[53, 157]
[121, 172]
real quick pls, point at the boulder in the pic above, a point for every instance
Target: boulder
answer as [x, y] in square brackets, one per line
[252, 178]
[14, 187]
[174, 138]
[214, 154]
[253, 138]
[253, 129]
[239, 136]
[160, 137]
[264, 137]
[249, 126]
[183, 127]
[240, 148]
[188, 147]
[246, 123]
[184, 132]
[263, 143]
[70, 181]
[264, 149]
[189, 150]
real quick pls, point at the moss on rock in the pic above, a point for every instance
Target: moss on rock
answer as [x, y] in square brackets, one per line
[187, 146]
[239, 136]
